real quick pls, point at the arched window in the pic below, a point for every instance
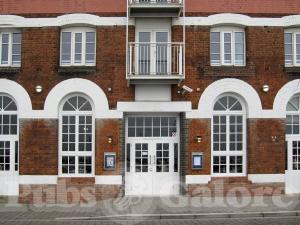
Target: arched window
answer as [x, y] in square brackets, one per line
[292, 117]
[76, 137]
[229, 137]
[9, 135]
[293, 131]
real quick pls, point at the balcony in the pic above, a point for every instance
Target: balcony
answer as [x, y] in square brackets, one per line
[155, 62]
[155, 8]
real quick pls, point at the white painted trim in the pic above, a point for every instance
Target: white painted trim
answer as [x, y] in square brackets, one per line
[78, 85]
[37, 179]
[233, 86]
[154, 106]
[93, 20]
[266, 178]
[284, 95]
[109, 180]
[197, 179]
[19, 94]
[239, 20]
[64, 20]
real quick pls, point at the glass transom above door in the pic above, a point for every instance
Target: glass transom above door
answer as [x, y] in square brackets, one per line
[144, 126]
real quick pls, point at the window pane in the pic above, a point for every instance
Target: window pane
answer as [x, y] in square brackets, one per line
[288, 48]
[4, 54]
[227, 48]
[66, 48]
[215, 37]
[90, 37]
[215, 48]
[16, 48]
[239, 48]
[17, 38]
[78, 47]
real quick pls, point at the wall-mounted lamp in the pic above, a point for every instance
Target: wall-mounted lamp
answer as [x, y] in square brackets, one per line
[109, 89]
[38, 88]
[199, 139]
[265, 88]
[109, 140]
[274, 138]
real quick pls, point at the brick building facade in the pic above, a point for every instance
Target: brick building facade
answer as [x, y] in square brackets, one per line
[149, 98]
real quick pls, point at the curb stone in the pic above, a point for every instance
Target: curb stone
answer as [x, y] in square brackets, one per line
[188, 216]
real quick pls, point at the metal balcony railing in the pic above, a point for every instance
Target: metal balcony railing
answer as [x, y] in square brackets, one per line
[161, 60]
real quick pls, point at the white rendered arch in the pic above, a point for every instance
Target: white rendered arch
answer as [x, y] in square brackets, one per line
[77, 85]
[233, 86]
[19, 94]
[284, 95]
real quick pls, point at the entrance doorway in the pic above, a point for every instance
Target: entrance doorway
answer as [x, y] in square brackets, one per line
[152, 155]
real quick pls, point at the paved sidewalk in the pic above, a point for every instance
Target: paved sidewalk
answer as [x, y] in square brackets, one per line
[131, 208]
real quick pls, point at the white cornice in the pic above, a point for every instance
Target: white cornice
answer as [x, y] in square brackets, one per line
[65, 20]
[239, 20]
[93, 20]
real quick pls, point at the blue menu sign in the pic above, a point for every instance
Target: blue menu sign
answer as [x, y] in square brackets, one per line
[109, 161]
[197, 160]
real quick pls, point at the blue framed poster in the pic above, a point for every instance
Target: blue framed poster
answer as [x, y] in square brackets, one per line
[109, 160]
[197, 160]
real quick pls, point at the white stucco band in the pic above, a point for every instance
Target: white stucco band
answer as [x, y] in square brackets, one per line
[93, 20]
[19, 94]
[78, 85]
[228, 85]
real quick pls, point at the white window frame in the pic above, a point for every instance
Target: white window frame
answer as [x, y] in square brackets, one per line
[10, 33]
[76, 153]
[232, 31]
[293, 113]
[73, 31]
[229, 153]
[294, 32]
[12, 138]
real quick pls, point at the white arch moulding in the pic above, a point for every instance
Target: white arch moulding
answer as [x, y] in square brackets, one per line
[19, 94]
[284, 95]
[233, 86]
[85, 87]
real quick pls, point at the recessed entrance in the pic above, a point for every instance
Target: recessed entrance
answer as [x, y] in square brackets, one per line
[152, 155]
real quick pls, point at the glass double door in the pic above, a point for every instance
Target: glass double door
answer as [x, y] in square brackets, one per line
[153, 53]
[152, 168]
[292, 174]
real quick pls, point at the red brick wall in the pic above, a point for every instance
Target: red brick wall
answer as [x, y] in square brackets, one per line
[104, 129]
[264, 155]
[38, 147]
[200, 128]
[265, 62]
[40, 63]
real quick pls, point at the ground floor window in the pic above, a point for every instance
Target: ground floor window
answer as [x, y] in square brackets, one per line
[228, 137]
[76, 137]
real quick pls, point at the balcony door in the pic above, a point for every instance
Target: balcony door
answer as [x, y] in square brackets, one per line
[153, 53]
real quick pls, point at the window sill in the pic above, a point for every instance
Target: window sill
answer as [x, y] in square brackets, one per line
[227, 71]
[9, 70]
[75, 70]
[292, 70]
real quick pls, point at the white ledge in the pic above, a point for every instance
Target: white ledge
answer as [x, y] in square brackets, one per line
[154, 106]
[93, 20]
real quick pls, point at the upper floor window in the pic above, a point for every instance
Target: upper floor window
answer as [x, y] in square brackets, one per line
[78, 47]
[10, 48]
[292, 48]
[227, 46]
